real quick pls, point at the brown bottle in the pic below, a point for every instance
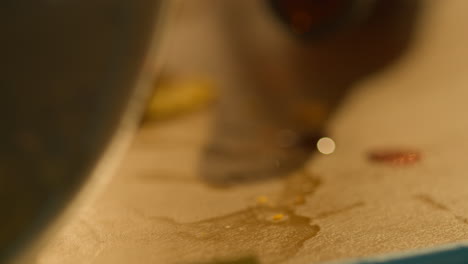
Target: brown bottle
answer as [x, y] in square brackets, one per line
[298, 58]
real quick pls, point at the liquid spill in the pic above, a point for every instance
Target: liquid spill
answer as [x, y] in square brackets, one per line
[254, 231]
[395, 157]
[327, 214]
[427, 199]
[269, 229]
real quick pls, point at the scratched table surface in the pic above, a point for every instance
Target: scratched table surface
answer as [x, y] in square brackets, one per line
[156, 209]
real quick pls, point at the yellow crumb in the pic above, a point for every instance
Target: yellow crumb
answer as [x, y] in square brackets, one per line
[278, 217]
[174, 96]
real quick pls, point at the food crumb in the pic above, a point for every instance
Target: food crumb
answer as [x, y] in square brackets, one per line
[278, 217]
[175, 96]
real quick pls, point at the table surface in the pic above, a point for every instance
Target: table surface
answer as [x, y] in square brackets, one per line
[158, 210]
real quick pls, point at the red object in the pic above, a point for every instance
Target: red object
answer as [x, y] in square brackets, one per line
[395, 157]
[306, 16]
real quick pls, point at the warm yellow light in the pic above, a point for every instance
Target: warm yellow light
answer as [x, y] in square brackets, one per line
[326, 145]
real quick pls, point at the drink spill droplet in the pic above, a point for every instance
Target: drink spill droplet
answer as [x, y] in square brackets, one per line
[270, 229]
[395, 157]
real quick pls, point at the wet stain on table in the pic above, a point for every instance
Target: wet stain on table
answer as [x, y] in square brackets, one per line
[327, 214]
[429, 200]
[270, 229]
[395, 157]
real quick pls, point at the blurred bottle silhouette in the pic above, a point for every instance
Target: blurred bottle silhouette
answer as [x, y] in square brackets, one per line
[300, 57]
[68, 75]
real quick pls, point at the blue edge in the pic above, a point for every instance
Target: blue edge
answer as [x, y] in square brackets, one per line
[454, 255]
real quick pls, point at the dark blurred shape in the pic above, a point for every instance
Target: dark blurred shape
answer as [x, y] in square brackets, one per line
[311, 18]
[296, 82]
[68, 69]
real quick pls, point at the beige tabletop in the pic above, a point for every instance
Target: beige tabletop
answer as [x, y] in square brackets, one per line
[157, 209]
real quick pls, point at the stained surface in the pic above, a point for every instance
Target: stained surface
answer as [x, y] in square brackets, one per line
[269, 229]
[158, 209]
[395, 157]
